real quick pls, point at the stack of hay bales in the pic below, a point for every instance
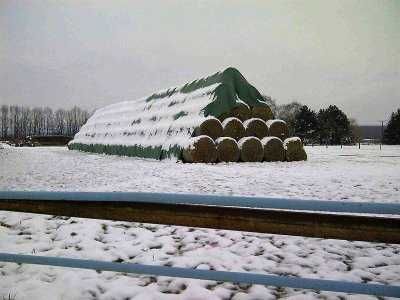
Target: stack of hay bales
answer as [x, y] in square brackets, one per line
[221, 117]
[253, 137]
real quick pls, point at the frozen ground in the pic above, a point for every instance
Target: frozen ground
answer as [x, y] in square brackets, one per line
[346, 174]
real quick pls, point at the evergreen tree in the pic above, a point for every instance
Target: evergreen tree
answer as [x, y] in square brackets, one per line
[391, 136]
[334, 126]
[306, 124]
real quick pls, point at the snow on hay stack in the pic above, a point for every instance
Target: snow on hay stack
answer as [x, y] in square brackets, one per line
[183, 122]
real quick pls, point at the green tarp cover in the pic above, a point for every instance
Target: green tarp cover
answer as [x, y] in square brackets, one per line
[160, 125]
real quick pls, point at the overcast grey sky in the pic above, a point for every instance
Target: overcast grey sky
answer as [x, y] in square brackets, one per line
[93, 53]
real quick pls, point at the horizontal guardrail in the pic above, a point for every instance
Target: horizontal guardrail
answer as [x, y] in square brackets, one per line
[137, 207]
[194, 199]
[267, 215]
[248, 278]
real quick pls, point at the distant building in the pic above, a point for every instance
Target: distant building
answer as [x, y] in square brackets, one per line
[48, 140]
[371, 134]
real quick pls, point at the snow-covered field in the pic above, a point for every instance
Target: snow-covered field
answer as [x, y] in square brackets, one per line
[346, 174]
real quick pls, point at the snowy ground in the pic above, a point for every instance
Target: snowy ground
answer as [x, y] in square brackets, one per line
[346, 174]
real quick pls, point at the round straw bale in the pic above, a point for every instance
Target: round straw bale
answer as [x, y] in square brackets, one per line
[255, 127]
[273, 149]
[211, 127]
[233, 127]
[262, 112]
[201, 149]
[251, 149]
[294, 149]
[278, 128]
[241, 111]
[227, 149]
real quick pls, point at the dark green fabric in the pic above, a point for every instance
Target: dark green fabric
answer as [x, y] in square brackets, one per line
[232, 88]
[134, 151]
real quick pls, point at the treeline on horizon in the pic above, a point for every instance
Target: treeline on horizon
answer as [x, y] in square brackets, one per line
[19, 122]
[329, 125]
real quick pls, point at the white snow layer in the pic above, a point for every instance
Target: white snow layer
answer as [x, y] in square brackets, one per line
[270, 122]
[165, 122]
[4, 146]
[294, 139]
[347, 174]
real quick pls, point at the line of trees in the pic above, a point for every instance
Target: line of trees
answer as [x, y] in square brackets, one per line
[331, 126]
[18, 122]
[327, 126]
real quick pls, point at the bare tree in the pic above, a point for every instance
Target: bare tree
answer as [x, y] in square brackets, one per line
[18, 122]
[48, 120]
[59, 122]
[288, 113]
[36, 120]
[25, 121]
[4, 121]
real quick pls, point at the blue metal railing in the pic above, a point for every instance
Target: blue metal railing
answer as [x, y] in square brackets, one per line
[233, 201]
[248, 278]
[250, 202]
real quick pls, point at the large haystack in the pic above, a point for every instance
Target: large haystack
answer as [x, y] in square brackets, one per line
[227, 149]
[211, 127]
[255, 127]
[262, 112]
[251, 149]
[201, 149]
[294, 149]
[161, 125]
[278, 128]
[233, 127]
[273, 149]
